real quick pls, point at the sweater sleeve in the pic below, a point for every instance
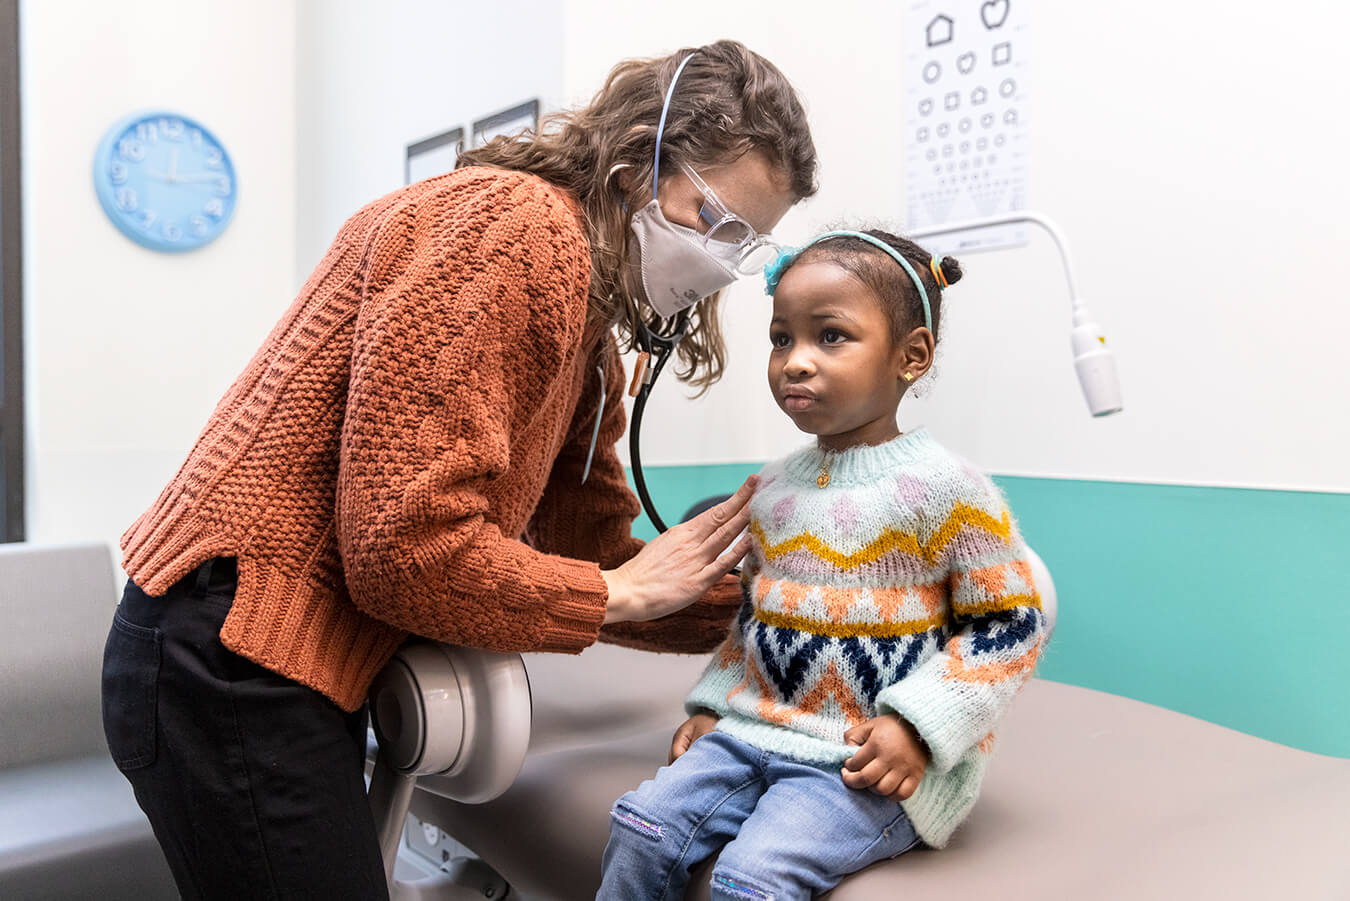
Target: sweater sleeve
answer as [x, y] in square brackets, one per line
[594, 520]
[995, 634]
[473, 300]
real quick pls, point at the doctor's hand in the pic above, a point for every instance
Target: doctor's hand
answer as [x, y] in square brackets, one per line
[891, 761]
[694, 728]
[677, 567]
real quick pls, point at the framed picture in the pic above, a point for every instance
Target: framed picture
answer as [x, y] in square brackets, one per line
[508, 122]
[432, 156]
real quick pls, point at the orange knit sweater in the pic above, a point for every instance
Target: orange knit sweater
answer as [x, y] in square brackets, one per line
[404, 453]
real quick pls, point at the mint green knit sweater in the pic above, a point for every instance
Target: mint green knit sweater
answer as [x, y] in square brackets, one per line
[901, 586]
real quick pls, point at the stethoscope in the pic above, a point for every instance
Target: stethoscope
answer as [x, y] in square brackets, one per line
[656, 350]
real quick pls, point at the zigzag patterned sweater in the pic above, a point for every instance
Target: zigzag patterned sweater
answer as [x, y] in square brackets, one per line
[901, 586]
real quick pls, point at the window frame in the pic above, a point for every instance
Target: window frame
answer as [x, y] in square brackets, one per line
[12, 471]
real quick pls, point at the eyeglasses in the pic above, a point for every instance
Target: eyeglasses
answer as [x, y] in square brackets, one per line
[729, 236]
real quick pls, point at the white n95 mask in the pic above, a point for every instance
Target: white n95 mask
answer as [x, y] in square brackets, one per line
[677, 268]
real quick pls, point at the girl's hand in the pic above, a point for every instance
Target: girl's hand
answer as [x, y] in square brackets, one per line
[677, 567]
[891, 761]
[695, 727]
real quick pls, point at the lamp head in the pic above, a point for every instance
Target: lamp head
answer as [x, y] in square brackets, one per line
[1096, 365]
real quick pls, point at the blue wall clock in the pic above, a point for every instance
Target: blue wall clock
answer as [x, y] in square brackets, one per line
[165, 181]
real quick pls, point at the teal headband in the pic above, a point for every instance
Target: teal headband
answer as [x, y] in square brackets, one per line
[774, 271]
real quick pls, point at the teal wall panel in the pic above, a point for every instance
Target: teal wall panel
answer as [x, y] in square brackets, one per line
[1229, 604]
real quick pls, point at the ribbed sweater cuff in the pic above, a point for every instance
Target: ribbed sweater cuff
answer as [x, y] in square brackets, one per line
[573, 618]
[943, 800]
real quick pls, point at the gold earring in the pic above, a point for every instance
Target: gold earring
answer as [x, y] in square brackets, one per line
[909, 376]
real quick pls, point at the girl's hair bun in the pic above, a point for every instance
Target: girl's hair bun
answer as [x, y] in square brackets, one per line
[951, 270]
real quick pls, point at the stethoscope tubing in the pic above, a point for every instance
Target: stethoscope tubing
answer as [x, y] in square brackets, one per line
[660, 348]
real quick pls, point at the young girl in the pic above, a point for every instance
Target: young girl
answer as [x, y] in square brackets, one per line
[889, 614]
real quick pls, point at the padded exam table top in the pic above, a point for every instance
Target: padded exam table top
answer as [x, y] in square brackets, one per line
[1088, 796]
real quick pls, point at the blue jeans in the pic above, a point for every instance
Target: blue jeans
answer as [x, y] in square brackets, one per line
[790, 829]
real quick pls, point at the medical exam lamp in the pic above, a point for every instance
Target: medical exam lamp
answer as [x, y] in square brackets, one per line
[1092, 359]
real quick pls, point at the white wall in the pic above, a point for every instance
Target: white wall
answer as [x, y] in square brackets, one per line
[1198, 191]
[127, 350]
[374, 78]
[1190, 151]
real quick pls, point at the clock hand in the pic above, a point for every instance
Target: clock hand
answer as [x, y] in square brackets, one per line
[172, 176]
[201, 178]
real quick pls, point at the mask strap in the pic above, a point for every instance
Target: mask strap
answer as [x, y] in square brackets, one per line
[661, 126]
[774, 271]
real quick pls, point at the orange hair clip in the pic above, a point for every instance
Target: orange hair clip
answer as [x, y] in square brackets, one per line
[936, 268]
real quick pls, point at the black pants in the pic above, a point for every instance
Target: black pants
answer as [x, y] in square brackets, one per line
[252, 782]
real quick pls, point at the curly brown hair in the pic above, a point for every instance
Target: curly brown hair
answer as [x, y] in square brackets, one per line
[729, 102]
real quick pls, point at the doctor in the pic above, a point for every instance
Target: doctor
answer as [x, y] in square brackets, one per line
[425, 444]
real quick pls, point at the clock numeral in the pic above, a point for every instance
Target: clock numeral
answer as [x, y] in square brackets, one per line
[172, 231]
[172, 129]
[196, 135]
[199, 226]
[215, 208]
[126, 199]
[223, 186]
[214, 158]
[132, 149]
[119, 172]
[148, 218]
[147, 131]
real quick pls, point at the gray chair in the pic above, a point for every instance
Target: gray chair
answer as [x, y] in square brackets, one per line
[69, 824]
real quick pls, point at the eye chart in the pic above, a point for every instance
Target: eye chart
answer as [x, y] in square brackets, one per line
[966, 137]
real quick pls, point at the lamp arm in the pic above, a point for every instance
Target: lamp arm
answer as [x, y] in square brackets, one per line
[1093, 360]
[1025, 217]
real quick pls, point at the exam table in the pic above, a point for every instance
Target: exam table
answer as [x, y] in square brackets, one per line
[1089, 795]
